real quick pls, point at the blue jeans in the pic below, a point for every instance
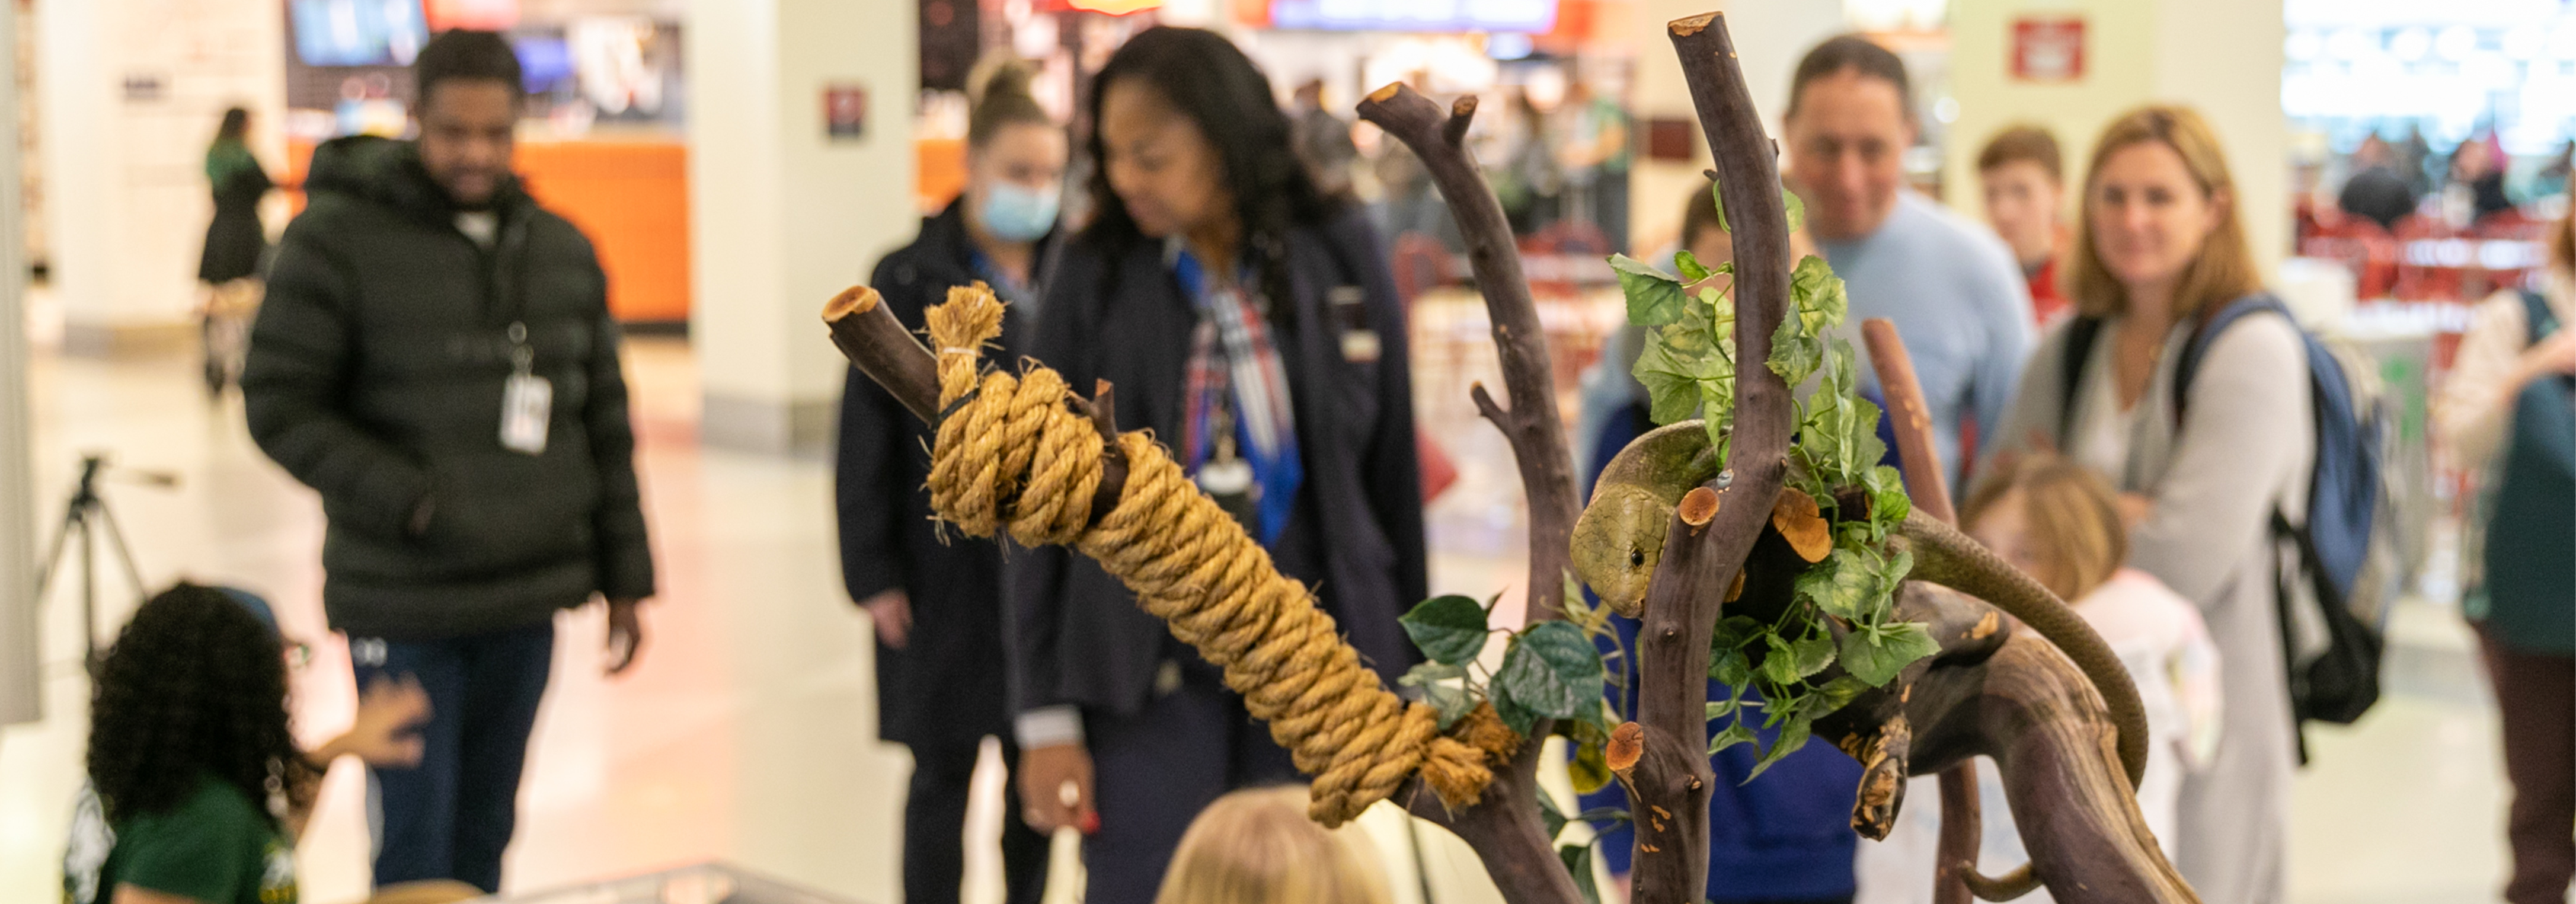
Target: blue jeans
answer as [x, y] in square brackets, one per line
[452, 816]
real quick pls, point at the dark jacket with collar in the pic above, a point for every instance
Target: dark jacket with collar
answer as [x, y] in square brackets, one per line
[945, 688]
[375, 376]
[1113, 311]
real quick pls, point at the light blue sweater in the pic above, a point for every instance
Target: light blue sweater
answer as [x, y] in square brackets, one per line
[1961, 306]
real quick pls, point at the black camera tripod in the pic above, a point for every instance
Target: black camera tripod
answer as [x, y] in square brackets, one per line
[86, 516]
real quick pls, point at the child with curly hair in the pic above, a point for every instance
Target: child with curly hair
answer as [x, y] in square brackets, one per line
[197, 790]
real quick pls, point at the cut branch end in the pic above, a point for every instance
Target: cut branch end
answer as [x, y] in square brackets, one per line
[1698, 506]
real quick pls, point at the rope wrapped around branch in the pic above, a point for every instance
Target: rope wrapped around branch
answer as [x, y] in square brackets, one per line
[1012, 453]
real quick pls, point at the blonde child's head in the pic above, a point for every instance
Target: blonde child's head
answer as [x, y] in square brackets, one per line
[1256, 846]
[2052, 518]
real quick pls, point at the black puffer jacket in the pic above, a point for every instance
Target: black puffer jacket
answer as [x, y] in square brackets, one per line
[376, 375]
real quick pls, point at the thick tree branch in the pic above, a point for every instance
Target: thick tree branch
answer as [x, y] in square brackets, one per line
[1536, 432]
[1699, 564]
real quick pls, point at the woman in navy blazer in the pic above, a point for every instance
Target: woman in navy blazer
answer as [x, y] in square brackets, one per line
[1215, 283]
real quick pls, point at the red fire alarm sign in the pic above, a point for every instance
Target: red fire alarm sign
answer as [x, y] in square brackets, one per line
[2048, 49]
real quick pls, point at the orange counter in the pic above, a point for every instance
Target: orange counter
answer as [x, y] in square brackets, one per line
[630, 197]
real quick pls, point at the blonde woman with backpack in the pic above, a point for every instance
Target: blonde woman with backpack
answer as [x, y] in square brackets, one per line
[2201, 471]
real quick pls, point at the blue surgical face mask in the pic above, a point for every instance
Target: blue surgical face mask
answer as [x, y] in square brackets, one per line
[1017, 213]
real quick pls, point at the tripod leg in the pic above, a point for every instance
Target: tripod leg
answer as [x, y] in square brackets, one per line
[124, 553]
[54, 559]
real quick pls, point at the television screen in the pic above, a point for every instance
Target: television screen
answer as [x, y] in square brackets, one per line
[357, 32]
[1415, 15]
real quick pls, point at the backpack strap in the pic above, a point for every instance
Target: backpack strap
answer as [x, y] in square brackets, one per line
[2080, 335]
[2207, 333]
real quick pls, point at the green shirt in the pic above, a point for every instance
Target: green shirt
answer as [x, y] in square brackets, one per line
[217, 847]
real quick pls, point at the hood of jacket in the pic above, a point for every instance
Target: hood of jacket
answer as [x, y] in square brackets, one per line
[389, 172]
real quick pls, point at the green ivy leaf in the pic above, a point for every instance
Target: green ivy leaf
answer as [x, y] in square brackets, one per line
[1734, 733]
[1548, 814]
[1449, 629]
[1731, 668]
[1654, 299]
[1672, 382]
[1590, 769]
[1792, 736]
[1897, 568]
[1719, 197]
[1453, 703]
[1514, 713]
[1832, 697]
[1732, 631]
[1812, 654]
[1428, 673]
[1842, 584]
[1687, 264]
[1578, 862]
[1821, 297]
[1888, 503]
[1876, 653]
[1553, 669]
[1797, 209]
[1794, 352]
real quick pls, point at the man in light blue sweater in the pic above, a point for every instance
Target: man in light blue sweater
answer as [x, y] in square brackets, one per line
[1950, 286]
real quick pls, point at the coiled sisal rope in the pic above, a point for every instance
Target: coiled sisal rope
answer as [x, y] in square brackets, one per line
[1011, 452]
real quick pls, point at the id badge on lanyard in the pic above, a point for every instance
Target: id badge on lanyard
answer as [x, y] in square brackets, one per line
[527, 400]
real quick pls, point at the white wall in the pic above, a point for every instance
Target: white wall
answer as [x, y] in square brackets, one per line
[1770, 37]
[125, 188]
[2222, 57]
[782, 219]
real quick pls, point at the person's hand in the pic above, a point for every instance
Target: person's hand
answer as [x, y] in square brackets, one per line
[892, 611]
[388, 712]
[2554, 356]
[1055, 788]
[625, 634]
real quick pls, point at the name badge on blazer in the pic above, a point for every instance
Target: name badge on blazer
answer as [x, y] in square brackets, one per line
[1360, 344]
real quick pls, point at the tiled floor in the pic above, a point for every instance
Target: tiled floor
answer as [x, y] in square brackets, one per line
[747, 733]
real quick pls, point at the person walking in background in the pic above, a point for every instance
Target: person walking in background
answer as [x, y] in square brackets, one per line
[2508, 412]
[2024, 181]
[1257, 846]
[2203, 472]
[1250, 321]
[1950, 287]
[436, 358]
[2060, 523]
[937, 601]
[236, 242]
[1596, 157]
[2376, 191]
[1323, 140]
[197, 792]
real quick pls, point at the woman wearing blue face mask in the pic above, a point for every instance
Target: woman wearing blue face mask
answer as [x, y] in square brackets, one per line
[938, 605]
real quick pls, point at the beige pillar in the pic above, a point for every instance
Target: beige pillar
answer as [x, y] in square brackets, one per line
[784, 215]
[1770, 37]
[2220, 57]
[21, 674]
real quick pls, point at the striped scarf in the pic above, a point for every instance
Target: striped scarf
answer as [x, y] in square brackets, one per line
[1235, 370]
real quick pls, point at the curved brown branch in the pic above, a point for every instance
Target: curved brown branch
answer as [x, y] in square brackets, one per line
[1531, 424]
[1927, 483]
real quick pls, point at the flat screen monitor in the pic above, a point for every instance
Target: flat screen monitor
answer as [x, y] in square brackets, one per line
[1531, 16]
[357, 32]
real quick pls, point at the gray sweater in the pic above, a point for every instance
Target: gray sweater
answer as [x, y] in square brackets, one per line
[2244, 449]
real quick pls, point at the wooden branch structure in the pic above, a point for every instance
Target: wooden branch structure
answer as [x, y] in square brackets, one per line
[1991, 691]
[1531, 424]
[1701, 562]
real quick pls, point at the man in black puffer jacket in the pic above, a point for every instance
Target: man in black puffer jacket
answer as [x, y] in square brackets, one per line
[435, 356]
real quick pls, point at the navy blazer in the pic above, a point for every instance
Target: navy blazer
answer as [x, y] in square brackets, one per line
[943, 688]
[1114, 311]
